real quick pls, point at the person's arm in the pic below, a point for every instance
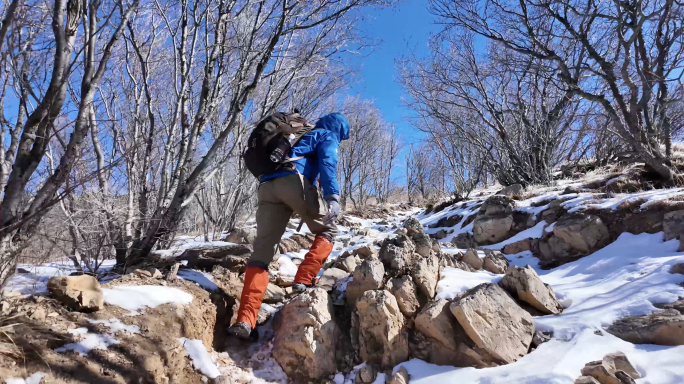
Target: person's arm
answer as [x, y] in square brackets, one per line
[326, 154]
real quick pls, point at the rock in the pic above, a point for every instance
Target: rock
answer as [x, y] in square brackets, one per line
[264, 314]
[366, 374]
[464, 241]
[330, 277]
[473, 259]
[492, 319]
[366, 251]
[397, 254]
[423, 244]
[540, 338]
[39, 314]
[677, 268]
[495, 262]
[307, 337]
[274, 294]
[497, 205]
[436, 247]
[661, 328]
[348, 264]
[673, 225]
[367, 232]
[242, 236]
[511, 190]
[412, 224]
[585, 233]
[401, 377]
[606, 372]
[450, 221]
[676, 305]
[426, 275]
[367, 277]
[586, 380]
[382, 329]
[173, 272]
[404, 290]
[621, 363]
[231, 257]
[401, 231]
[80, 293]
[439, 235]
[143, 273]
[525, 285]
[154, 272]
[491, 230]
[517, 247]
[554, 212]
[441, 339]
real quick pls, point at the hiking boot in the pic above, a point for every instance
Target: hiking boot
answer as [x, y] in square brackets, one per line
[299, 287]
[241, 330]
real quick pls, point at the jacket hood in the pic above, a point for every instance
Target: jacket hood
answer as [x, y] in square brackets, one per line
[335, 123]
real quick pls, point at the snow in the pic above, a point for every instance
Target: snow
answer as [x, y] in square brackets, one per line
[454, 281]
[35, 378]
[134, 298]
[201, 359]
[35, 282]
[115, 326]
[202, 279]
[89, 342]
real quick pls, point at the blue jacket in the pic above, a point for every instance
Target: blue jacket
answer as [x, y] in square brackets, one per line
[320, 148]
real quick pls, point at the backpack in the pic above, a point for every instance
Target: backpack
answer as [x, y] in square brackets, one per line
[271, 140]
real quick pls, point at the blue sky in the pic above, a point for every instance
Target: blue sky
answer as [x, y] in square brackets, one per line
[402, 30]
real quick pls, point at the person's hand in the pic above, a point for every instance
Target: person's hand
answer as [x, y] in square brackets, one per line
[333, 209]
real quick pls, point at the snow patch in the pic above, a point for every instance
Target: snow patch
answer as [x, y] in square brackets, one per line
[454, 281]
[134, 298]
[89, 342]
[115, 326]
[35, 378]
[201, 359]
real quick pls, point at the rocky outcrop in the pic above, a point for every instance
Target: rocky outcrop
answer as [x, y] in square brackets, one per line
[404, 290]
[495, 262]
[367, 277]
[80, 293]
[661, 328]
[585, 233]
[525, 285]
[383, 338]
[495, 322]
[449, 221]
[494, 221]
[307, 336]
[615, 368]
[426, 275]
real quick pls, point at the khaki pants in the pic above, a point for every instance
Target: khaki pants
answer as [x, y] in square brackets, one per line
[277, 199]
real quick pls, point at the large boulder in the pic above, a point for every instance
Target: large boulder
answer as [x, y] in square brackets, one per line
[383, 338]
[307, 337]
[661, 328]
[584, 233]
[494, 221]
[495, 262]
[441, 340]
[367, 277]
[472, 258]
[426, 275]
[517, 247]
[423, 244]
[348, 264]
[404, 290]
[492, 319]
[525, 285]
[614, 368]
[366, 251]
[80, 293]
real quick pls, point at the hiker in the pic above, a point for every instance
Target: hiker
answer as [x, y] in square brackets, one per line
[292, 188]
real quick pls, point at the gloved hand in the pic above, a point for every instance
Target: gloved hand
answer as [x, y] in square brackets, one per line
[333, 208]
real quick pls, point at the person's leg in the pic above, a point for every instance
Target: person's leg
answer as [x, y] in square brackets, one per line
[271, 218]
[305, 200]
